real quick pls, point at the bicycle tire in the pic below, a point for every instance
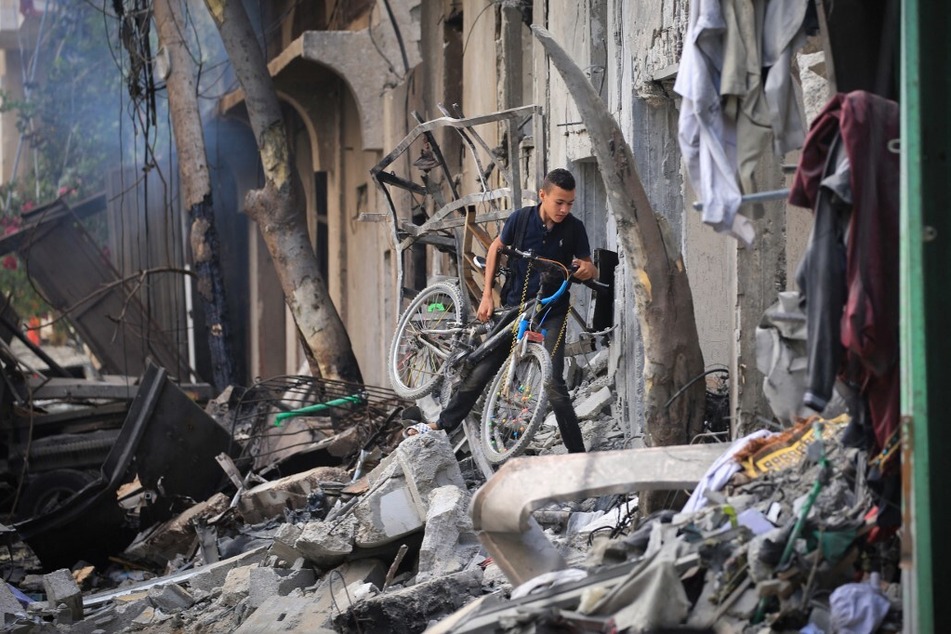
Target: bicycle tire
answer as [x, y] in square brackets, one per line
[513, 412]
[415, 367]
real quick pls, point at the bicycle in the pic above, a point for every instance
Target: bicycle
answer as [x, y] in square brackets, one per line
[435, 344]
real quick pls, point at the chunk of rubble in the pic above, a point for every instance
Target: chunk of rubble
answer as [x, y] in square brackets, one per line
[286, 614]
[327, 544]
[397, 499]
[449, 542]
[10, 606]
[161, 543]
[410, 610]
[266, 582]
[62, 589]
[594, 404]
[269, 500]
[170, 598]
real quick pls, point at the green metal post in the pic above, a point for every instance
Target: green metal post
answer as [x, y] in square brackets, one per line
[925, 306]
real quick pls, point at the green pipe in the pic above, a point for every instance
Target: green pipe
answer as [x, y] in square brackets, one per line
[319, 407]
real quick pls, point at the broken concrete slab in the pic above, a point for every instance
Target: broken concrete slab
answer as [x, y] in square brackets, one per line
[334, 589]
[170, 598]
[237, 585]
[268, 582]
[286, 614]
[149, 617]
[327, 544]
[10, 606]
[283, 546]
[410, 610]
[449, 542]
[392, 511]
[590, 407]
[62, 589]
[396, 502]
[209, 579]
[269, 500]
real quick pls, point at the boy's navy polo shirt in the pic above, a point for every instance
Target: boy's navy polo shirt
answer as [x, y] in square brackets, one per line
[566, 240]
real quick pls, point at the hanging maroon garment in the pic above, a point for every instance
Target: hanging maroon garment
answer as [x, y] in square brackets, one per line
[869, 329]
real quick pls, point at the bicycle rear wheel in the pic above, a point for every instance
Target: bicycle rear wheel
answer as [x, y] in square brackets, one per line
[424, 338]
[516, 405]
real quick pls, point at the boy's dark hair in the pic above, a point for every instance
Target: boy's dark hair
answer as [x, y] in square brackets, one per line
[559, 177]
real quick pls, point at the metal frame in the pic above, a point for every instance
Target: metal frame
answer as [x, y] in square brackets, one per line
[502, 200]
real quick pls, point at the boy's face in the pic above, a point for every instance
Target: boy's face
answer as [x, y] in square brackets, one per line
[556, 203]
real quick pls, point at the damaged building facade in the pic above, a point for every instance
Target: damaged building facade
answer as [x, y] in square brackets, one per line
[354, 82]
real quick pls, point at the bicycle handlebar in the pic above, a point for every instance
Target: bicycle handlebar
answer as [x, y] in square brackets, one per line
[554, 264]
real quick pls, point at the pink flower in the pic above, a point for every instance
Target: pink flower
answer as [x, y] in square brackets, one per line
[27, 206]
[10, 263]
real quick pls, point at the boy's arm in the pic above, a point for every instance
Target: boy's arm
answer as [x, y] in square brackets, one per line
[487, 305]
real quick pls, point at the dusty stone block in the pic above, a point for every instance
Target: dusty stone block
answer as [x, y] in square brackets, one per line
[61, 588]
[212, 577]
[269, 500]
[327, 544]
[237, 585]
[590, 407]
[410, 610]
[449, 542]
[170, 598]
[284, 540]
[268, 582]
[286, 614]
[388, 513]
[9, 605]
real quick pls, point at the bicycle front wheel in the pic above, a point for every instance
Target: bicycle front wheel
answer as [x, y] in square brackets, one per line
[516, 404]
[424, 338]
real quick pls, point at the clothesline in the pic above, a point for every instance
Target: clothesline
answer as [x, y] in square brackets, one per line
[758, 197]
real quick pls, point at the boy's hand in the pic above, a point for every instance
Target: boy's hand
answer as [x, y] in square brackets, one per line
[486, 306]
[586, 269]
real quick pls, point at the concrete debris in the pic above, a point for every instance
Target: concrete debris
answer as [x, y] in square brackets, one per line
[170, 598]
[163, 542]
[268, 582]
[784, 531]
[10, 607]
[327, 544]
[269, 500]
[411, 609]
[590, 407]
[62, 589]
[449, 543]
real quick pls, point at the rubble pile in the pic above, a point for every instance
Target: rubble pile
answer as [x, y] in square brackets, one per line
[782, 534]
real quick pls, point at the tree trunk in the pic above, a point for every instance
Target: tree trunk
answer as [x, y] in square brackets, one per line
[278, 207]
[672, 355]
[196, 184]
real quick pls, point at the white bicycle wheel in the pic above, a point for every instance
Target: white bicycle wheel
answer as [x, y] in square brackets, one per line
[424, 338]
[516, 405]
